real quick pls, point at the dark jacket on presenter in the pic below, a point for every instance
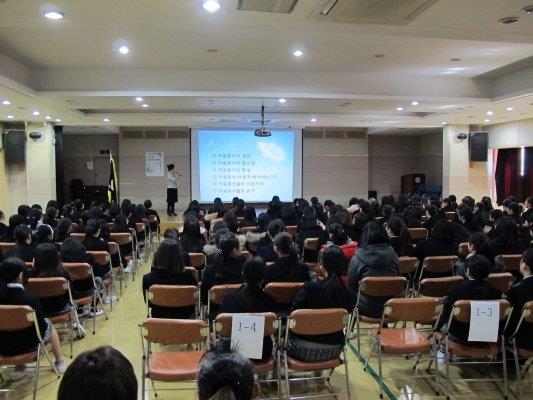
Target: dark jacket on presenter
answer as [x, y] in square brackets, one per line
[172, 190]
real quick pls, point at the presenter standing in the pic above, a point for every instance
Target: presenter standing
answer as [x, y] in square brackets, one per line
[172, 190]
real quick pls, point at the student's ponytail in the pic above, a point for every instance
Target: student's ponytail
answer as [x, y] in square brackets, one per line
[285, 245]
[332, 260]
[10, 269]
[35, 217]
[227, 244]
[224, 393]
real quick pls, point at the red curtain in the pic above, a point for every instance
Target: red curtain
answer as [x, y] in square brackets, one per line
[509, 182]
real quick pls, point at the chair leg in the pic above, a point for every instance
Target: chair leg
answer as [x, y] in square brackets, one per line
[94, 314]
[370, 354]
[153, 387]
[447, 361]
[286, 364]
[436, 355]
[143, 379]
[70, 333]
[346, 373]
[358, 333]
[37, 367]
[504, 364]
[278, 371]
[517, 367]
[380, 369]
[417, 361]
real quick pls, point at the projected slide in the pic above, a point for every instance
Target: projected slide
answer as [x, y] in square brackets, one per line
[236, 163]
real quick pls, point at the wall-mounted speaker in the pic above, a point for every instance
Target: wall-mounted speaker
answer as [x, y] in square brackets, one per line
[15, 147]
[478, 146]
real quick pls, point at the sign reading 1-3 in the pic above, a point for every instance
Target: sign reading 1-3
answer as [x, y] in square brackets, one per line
[484, 321]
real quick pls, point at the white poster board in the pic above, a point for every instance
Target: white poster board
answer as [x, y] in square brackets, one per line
[247, 332]
[484, 321]
[155, 161]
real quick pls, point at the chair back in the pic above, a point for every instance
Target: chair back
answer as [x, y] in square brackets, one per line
[121, 238]
[461, 310]
[223, 323]
[318, 322]
[418, 233]
[175, 331]
[5, 248]
[412, 309]
[78, 271]
[502, 281]
[101, 257]
[110, 225]
[172, 295]
[47, 287]
[246, 254]
[16, 318]
[510, 262]
[140, 227]
[383, 286]
[311, 244]
[292, 230]
[197, 259]
[283, 292]
[152, 218]
[408, 265]
[113, 248]
[217, 292]
[463, 249]
[527, 312]
[246, 229]
[77, 235]
[440, 264]
[450, 215]
[437, 287]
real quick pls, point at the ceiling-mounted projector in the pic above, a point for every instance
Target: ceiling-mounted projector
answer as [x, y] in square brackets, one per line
[262, 132]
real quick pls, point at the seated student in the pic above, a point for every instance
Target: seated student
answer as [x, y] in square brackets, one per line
[191, 240]
[47, 264]
[23, 244]
[287, 268]
[505, 239]
[468, 220]
[338, 237]
[36, 219]
[50, 217]
[226, 267]
[43, 234]
[432, 213]
[251, 298]
[374, 258]
[399, 237]
[327, 292]
[217, 208]
[412, 217]
[288, 214]
[226, 375]
[307, 229]
[481, 214]
[168, 269]
[254, 237]
[100, 374]
[265, 247]
[151, 212]
[64, 228]
[120, 225]
[94, 242]
[519, 295]
[440, 242]
[3, 227]
[478, 246]
[250, 218]
[475, 287]
[18, 342]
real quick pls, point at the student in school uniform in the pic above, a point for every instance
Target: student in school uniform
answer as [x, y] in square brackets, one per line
[23, 244]
[287, 268]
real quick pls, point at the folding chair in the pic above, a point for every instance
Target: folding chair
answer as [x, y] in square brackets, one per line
[45, 288]
[407, 268]
[315, 322]
[172, 366]
[405, 341]
[79, 236]
[5, 248]
[384, 287]
[310, 244]
[292, 230]
[222, 329]
[118, 272]
[437, 287]
[152, 219]
[521, 353]
[475, 352]
[197, 260]
[104, 258]
[216, 294]
[18, 318]
[246, 254]
[173, 296]
[82, 272]
[438, 265]
[284, 293]
[140, 227]
[502, 281]
[123, 239]
[450, 215]
[418, 234]
[246, 229]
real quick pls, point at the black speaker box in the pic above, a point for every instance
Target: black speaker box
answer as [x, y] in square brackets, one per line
[15, 147]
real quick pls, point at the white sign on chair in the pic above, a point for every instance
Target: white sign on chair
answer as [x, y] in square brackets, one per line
[247, 332]
[484, 321]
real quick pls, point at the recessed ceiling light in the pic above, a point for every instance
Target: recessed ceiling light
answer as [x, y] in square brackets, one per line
[487, 120]
[509, 20]
[528, 9]
[490, 112]
[10, 117]
[57, 120]
[54, 14]
[6, 102]
[282, 101]
[145, 105]
[510, 108]
[379, 55]
[399, 108]
[123, 50]
[105, 119]
[297, 53]
[139, 99]
[48, 117]
[455, 59]
[415, 103]
[36, 113]
[211, 6]
[313, 119]
[212, 51]
[443, 122]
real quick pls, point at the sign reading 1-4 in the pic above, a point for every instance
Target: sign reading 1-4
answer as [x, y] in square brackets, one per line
[247, 333]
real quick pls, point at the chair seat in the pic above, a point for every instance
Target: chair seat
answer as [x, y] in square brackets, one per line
[264, 366]
[21, 359]
[372, 320]
[83, 301]
[525, 352]
[473, 350]
[61, 318]
[174, 365]
[297, 365]
[402, 341]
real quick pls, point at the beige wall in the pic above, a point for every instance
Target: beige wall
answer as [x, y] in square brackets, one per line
[512, 134]
[3, 183]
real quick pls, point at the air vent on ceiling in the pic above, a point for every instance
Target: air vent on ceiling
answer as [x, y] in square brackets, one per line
[312, 134]
[155, 134]
[274, 6]
[178, 134]
[381, 12]
[257, 121]
[355, 135]
[335, 133]
[132, 134]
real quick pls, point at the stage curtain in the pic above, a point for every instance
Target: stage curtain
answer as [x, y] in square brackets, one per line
[507, 173]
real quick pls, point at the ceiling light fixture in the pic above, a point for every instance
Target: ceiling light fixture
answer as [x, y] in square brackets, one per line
[6, 102]
[105, 119]
[282, 101]
[509, 20]
[313, 119]
[510, 108]
[486, 121]
[145, 105]
[36, 113]
[399, 108]
[379, 55]
[443, 122]
[528, 9]
[211, 6]
[48, 117]
[490, 112]
[54, 14]
[10, 117]
[415, 103]
[57, 120]
[139, 99]
[123, 50]
[455, 59]
[297, 53]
